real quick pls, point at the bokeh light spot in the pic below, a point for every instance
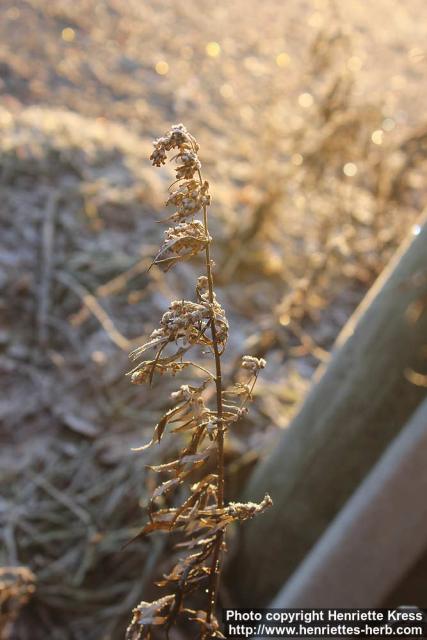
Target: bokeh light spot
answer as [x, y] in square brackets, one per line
[349, 169]
[388, 124]
[213, 49]
[378, 136]
[305, 100]
[297, 159]
[283, 59]
[68, 34]
[162, 67]
[226, 90]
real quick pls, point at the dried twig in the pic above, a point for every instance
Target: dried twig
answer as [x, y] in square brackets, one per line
[48, 240]
[95, 308]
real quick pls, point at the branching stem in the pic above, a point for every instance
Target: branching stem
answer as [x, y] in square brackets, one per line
[203, 515]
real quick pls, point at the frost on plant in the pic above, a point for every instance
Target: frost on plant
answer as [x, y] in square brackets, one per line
[203, 516]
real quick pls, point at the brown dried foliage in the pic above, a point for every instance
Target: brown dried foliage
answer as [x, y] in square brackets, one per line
[17, 585]
[203, 517]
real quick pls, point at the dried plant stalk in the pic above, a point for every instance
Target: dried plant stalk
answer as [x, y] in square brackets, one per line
[203, 516]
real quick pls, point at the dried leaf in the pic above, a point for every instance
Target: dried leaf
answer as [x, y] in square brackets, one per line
[165, 487]
[146, 613]
[160, 428]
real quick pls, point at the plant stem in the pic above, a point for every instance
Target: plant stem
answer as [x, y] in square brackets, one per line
[215, 567]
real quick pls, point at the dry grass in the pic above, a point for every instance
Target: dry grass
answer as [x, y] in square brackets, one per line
[298, 244]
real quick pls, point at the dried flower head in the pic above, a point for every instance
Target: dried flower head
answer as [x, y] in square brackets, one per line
[184, 324]
[182, 242]
[189, 199]
[253, 364]
[177, 138]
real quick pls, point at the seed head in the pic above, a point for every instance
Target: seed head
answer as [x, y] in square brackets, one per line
[253, 364]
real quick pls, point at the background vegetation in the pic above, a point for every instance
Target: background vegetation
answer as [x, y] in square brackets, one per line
[312, 124]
